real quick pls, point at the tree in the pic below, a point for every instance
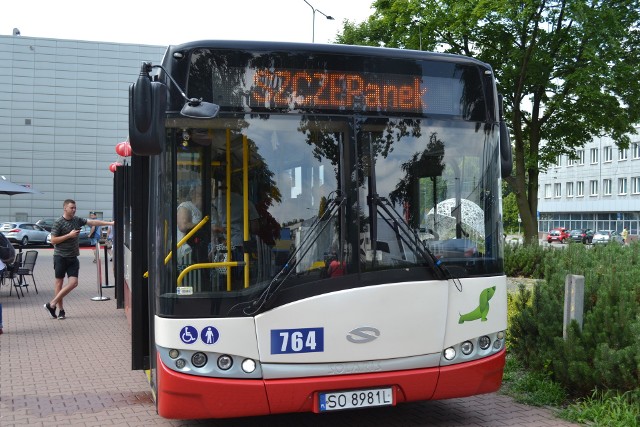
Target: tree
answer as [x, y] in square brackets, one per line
[568, 69]
[509, 212]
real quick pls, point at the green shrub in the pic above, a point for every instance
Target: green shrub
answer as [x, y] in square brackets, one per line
[523, 260]
[605, 352]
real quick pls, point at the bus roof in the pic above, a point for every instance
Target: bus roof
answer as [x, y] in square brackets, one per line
[372, 51]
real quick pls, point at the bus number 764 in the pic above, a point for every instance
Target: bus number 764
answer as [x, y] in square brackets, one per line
[304, 340]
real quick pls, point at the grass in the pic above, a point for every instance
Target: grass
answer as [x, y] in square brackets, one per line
[610, 409]
[531, 388]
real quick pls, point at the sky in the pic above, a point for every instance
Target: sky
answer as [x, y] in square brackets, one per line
[165, 23]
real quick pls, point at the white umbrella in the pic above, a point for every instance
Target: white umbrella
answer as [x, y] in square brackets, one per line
[472, 217]
[10, 188]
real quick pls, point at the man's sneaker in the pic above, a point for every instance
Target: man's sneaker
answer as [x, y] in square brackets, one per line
[51, 310]
[61, 315]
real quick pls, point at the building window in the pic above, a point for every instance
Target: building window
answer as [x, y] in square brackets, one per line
[608, 154]
[593, 188]
[580, 189]
[558, 161]
[622, 186]
[606, 187]
[635, 148]
[557, 190]
[570, 161]
[623, 153]
[547, 191]
[569, 187]
[593, 156]
[580, 154]
[635, 185]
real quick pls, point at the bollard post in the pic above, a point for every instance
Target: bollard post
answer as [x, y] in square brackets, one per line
[106, 268]
[573, 301]
[99, 275]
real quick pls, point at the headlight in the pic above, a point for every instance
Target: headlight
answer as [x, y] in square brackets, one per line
[449, 353]
[225, 362]
[199, 359]
[248, 365]
[466, 348]
[484, 342]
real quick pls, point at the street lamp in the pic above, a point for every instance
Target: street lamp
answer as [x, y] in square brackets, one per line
[415, 21]
[313, 25]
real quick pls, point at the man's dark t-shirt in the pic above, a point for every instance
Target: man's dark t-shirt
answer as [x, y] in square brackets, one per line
[61, 226]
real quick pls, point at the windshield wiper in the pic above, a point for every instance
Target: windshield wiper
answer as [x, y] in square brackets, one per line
[408, 235]
[294, 259]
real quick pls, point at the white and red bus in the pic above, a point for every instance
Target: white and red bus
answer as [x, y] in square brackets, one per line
[362, 262]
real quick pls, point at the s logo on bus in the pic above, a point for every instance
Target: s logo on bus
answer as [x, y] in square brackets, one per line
[483, 308]
[363, 335]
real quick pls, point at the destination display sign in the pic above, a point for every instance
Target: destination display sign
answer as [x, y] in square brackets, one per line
[332, 90]
[336, 90]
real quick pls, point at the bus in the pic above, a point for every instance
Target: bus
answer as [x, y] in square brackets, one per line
[312, 228]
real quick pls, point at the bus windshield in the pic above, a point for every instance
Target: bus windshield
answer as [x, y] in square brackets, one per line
[316, 200]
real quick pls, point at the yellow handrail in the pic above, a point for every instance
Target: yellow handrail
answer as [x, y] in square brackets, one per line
[182, 241]
[245, 203]
[227, 202]
[208, 265]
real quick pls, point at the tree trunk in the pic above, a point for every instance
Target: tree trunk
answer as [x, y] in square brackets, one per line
[525, 181]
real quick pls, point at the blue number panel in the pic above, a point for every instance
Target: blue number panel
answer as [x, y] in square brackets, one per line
[305, 340]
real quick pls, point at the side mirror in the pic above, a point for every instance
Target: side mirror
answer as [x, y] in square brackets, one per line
[147, 108]
[147, 111]
[506, 157]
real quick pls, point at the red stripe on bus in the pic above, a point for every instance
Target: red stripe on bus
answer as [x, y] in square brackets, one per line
[183, 396]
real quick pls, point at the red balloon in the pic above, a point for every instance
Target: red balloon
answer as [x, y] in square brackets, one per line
[113, 166]
[123, 149]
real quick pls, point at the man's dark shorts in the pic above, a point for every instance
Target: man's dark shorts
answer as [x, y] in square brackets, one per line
[68, 266]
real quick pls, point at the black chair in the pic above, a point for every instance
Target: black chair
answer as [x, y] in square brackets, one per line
[10, 274]
[26, 269]
[7, 274]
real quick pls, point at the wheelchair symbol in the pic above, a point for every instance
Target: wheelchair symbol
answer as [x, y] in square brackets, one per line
[189, 334]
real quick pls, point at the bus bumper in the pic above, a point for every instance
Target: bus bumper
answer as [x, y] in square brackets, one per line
[182, 396]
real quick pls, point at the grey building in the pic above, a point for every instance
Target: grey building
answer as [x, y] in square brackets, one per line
[599, 190]
[63, 109]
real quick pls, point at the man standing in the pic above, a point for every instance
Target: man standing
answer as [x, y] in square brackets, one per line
[64, 237]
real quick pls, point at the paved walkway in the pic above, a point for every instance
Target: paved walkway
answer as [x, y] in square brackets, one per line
[76, 372]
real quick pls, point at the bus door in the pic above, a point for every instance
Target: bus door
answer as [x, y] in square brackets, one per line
[277, 178]
[217, 171]
[135, 240]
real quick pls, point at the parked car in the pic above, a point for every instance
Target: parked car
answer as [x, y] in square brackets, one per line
[584, 235]
[45, 223]
[606, 236]
[24, 233]
[559, 234]
[452, 248]
[83, 237]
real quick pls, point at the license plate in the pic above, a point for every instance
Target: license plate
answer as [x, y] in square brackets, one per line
[356, 399]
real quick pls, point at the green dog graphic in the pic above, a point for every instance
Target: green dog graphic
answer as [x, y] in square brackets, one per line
[482, 310]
